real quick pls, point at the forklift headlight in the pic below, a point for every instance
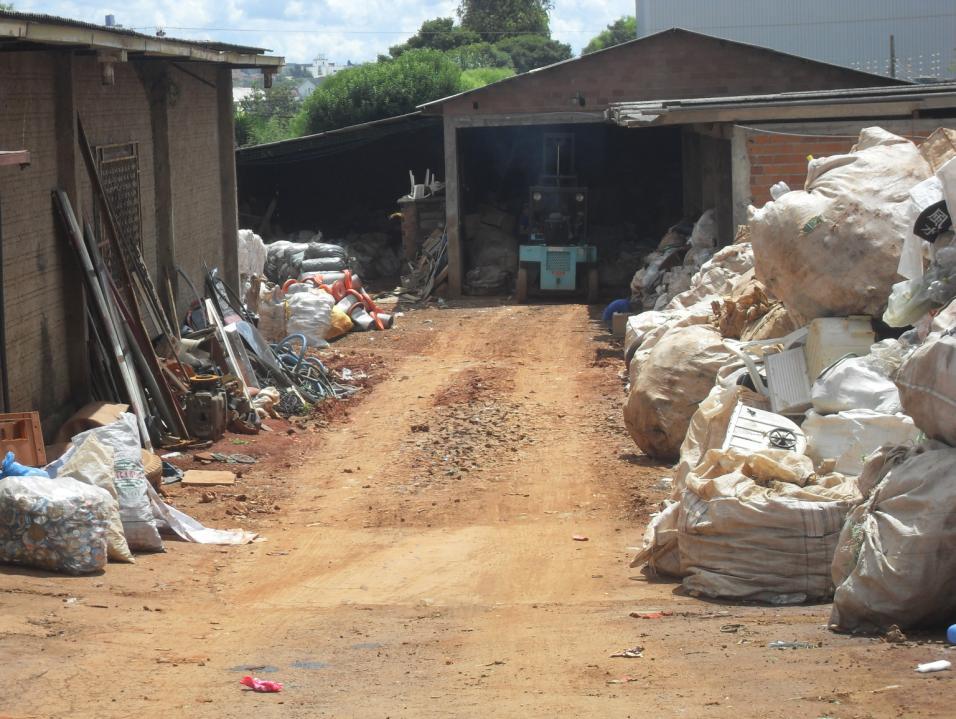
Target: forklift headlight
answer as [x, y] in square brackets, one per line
[579, 197]
[536, 197]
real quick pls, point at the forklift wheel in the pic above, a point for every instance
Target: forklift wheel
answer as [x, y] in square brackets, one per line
[521, 286]
[593, 286]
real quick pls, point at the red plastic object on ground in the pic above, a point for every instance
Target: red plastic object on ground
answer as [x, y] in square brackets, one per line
[261, 685]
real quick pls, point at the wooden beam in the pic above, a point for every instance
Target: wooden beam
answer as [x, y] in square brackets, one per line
[529, 118]
[72, 293]
[14, 157]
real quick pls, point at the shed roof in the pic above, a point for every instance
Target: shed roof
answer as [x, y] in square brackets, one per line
[20, 29]
[332, 142]
[888, 101]
[623, 49]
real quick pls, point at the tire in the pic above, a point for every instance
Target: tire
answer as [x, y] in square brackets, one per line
[593, 286]
[521, 286]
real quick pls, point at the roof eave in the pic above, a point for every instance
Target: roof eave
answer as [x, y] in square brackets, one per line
[66, 35]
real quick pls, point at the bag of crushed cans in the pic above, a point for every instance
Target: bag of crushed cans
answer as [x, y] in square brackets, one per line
[53, 524]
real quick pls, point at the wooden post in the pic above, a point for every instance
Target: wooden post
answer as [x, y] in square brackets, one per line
[155, 78]
[227, 178]
[68, 168]
[453, 208]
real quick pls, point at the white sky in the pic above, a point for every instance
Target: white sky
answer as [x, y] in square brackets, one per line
[355, 30]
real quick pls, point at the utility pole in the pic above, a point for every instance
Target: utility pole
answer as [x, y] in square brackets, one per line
[892, 56]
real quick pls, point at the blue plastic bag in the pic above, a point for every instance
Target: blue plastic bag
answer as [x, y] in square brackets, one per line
[614, 307]
[12, 468]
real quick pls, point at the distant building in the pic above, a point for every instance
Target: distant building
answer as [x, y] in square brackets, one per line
[851, 33]
[304, 88]
[241, 93]
[322, 67]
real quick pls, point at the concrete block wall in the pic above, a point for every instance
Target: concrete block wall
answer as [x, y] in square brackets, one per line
[37, 262]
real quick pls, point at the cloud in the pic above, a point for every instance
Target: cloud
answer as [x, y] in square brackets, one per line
[300, 29]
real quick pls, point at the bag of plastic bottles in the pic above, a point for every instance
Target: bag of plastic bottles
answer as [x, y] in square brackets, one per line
[54, 524]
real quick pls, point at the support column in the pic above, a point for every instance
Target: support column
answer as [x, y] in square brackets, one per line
[691, 174]
[740, 168]
[68, 169]
[227, 178]
[724, 203]
[155, 78]
[453, 208]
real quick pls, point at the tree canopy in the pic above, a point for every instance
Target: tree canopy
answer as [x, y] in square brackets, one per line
[438, 34]
[378, 90]
[497, 19]
[532, 51]
[266, 115]
[621, 30]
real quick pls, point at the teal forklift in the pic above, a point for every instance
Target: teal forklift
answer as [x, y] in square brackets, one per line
[557, 259]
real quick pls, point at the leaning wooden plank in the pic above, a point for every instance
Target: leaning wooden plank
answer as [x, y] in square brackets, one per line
[117, 345]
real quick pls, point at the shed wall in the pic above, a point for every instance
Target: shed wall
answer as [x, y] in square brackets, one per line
[671, 65]
[45, 324]
[36, 262]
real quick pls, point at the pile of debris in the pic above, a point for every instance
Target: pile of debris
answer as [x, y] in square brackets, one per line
[668, 270]
[429, 271]
[305, 289]
[306, 254]
[809, 396]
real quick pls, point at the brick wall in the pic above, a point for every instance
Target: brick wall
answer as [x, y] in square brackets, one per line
[36, 262]
[775, 158]
[40, 272]
[194, 156]
[675, 64]
[782, 155]
[112, 115]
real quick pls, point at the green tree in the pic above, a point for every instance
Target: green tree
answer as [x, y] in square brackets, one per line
[266, 115]
[481, 76]
[6, 6]
[438, 34]
[495, 19]
[621, 30]
[532, 51]
[378, 90]
[480, 54]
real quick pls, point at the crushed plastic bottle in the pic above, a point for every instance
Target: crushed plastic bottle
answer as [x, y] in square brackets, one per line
[937, 666]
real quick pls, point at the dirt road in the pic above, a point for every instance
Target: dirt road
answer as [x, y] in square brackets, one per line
[421, 561]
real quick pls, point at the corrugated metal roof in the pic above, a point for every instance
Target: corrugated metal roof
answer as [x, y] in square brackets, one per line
[53, 21]
[914, 97]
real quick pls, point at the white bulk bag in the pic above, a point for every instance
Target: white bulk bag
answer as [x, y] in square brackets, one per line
[927, 384]
[849, 437]
[833, 249]
[896, 557]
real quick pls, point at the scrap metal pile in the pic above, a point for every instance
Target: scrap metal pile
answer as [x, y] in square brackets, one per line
[804, 383]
